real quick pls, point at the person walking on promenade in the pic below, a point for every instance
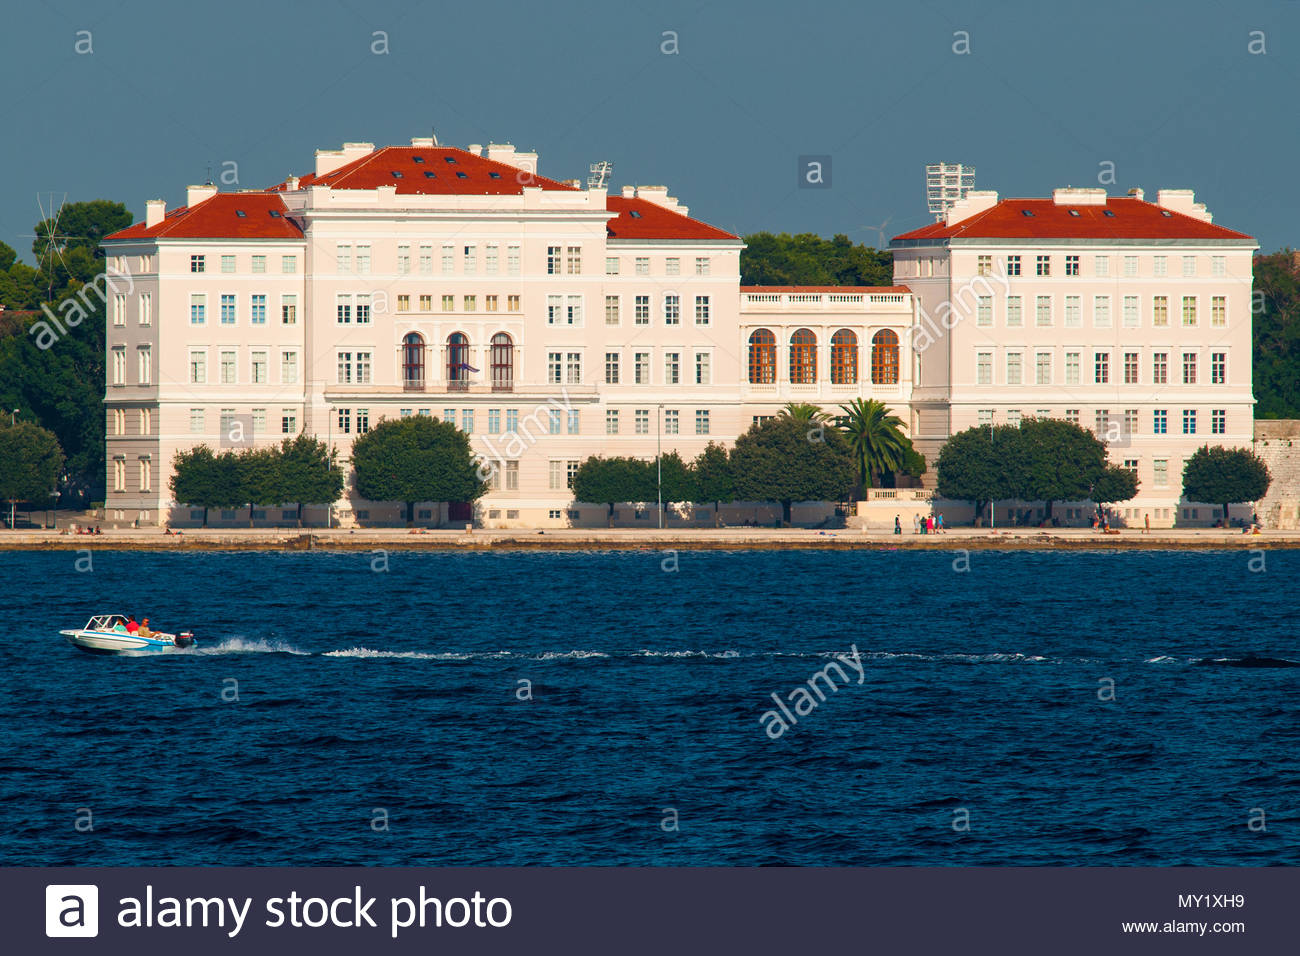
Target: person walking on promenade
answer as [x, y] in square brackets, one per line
[938, 524]
[916, 524]
[898, 525]
[1147, 518]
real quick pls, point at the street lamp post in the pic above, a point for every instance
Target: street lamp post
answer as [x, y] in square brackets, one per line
[13, 417]
[659, 462]
[993, 504]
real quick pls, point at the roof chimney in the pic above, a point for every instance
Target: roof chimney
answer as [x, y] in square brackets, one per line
[975, 201]
[657, 195]
[328, 160]
[501, 153]
[1079, 196]
[1183, 201]
[1136, 192]
[197, 194]
[291, 184]
[154, 212]
[475, 148]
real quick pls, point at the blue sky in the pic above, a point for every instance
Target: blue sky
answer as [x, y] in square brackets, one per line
[1169, 92]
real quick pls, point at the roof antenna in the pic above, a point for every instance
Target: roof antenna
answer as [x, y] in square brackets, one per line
[208, 181]
[433, 135]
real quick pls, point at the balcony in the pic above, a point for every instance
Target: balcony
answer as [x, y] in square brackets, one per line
[542, 390]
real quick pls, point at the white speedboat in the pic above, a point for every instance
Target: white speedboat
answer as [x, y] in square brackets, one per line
[106, 633]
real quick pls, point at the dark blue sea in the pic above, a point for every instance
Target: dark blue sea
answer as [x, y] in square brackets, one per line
[1035, 708]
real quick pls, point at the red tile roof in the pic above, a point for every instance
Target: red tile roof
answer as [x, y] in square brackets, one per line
[1129, 218]
[428, 171]
[643, 219]
[264, 217]
[849, 289]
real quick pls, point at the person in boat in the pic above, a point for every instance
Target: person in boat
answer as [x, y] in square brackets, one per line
[119, 625]
[131, 625]
[144, 630]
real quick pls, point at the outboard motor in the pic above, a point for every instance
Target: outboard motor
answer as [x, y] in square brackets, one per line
[185, 639]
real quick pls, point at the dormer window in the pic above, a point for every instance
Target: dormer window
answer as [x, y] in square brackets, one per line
[1074, 212]
[397, 174]
[417, 159]
[1108, 212]
[461, 175]
[275, 214]
[1027, 212]
[1166, 213]
[495, 175]
[240, 213]
[450, 159]
[430, 174]
[635, 214]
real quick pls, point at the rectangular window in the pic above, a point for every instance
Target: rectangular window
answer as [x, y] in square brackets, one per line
[1043, 368]
[672, 266]
[512, 476]
[1189, 421]
[198, 368]
[1013, 265]
[197, 423]
[491, 303]
[984, 311]
[1189, 368]
[492, 256]
[1101, 311]
[344, 418]
[554, 262]
[642, 310]
[289, 310]
[467, 421]
[1072, 416]
[119, 365]
[642, 423]
[672, 368]
[1101, 368]
[1218, 368]
[643, 265]
[1160, 472]
[611, 421]
[1130, 266]
[363, 368]
[119, 309]
[1101, 423]
[1189, 266]
[703, 372]
[1130, 368]
[573, 260]
[1043, 310]
[672, 310]
[1013, 417]
[1043, 265]
[1159, 368]
[1159, 266]
[1072, 361]
[701, 310]
[1015, 313]
[1072, 265]
[1101, 266]
[1218, 421]
[1216, 266]
[574, 421]
[343, 309]
[611, 310]
[449, 303]
[1159, 421]
[984, 266]
[227, 265]
[554, 310]
[289, 265]
[1160, 311]
[403, 303]
[257, 310]
[288, 422]
[144, 474]
[984, 368]
[1013, 368]
[1131, 320]
[146, 308]
[343, 258]
[512, 260]
[641, 368]
[229, 373]
[985, 416]
[701, 421]
[288, 368]
[512, 420]
[494, 421]
[449, 416]
[227, 310]
[611, 265]
[553, 421]
[198, 264]
[259, 421]
[702, 265]
[471, 303]
[198, 308]
[611, 368]
[258, 368]
[344, 368]
[1218, 311]
[573, 368]
[259, 262]
[1189, 310]
[1073, 311]
[426, 303]
[404, 259]
[672, 421]
[573, 310]
[512, 303]
[554, 367]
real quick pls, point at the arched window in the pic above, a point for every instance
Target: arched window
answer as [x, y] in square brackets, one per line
[844, 358]
[803, 358]
[413, 362]
[458, 368]
[762, 358]
[503, 363]
[884, 358]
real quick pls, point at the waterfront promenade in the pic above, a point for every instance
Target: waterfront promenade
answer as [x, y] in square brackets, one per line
[582, 539]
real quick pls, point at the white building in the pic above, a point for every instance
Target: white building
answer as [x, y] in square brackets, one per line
[1126, 316]
[548, 321]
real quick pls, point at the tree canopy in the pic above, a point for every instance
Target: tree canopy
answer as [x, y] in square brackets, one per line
[1276, 334]
[876, 439]
[299, 470]
[1225, 476]
[419, 458]
[30, 462]
[785, 460]
[609, 481]
[808, 259]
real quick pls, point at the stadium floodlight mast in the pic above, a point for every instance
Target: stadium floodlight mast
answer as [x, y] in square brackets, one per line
[13, 418]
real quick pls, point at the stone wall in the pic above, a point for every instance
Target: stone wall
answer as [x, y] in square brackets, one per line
[1277, 441]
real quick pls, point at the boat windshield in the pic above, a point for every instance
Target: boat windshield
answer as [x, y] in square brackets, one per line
[105, 622]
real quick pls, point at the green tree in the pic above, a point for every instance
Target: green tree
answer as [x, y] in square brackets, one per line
[784, 460]
[1276, 333]
[673, 478]
[876, 439]
[1115, 483]
[419, 458]
[1225, 476]
[805, 413]
[975, 465]
[713, 479]
[808, 259]
[260, 478]
[309, 472]
[30, 462]
[202, 479]
[1057, 461]
[611, 481]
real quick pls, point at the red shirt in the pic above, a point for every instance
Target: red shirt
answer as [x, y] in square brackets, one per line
[132, 627]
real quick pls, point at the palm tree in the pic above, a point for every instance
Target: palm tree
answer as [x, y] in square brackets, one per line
[805, 413]
[873, 433]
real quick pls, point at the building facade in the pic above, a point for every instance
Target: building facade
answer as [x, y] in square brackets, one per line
[1125, 316]
[548, 321]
